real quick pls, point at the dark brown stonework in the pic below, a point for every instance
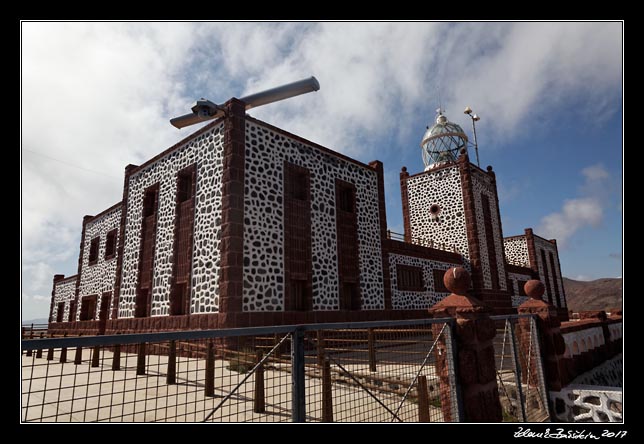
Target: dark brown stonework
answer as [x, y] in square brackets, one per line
[470, 223]
[382, 212]
[404, 194]
[489, 239]
[532, 252]
[129, 169]
[232, 215]
[298, 273]
[347, 245]
[551, 339]
[476, 367]
[492, 174]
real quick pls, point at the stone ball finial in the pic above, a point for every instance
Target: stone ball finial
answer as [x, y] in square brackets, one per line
[457, 280]
[534, 288]
[404, 169]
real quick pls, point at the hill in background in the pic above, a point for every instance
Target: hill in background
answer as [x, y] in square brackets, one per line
[599, 294]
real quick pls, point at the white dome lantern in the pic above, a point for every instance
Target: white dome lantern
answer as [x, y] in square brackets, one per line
[442, 142]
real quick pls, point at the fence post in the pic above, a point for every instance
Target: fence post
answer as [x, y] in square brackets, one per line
[549, 335]
[78, 355]
[39, 351]
[171, 377]
[50, 350]
[63, 352]
[31, 336]
[474, 331]
[327, 392]
[140, 359]
[209, 389]
[96, 356]
[116, 357]
[259, 404]
[517, 369]
[371, 341]
[298, 391]
[320, 347]
[423, 399]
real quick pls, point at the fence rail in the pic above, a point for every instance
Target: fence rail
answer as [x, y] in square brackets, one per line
[356, 372]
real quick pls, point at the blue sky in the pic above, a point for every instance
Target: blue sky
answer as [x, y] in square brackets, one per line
[98, 96]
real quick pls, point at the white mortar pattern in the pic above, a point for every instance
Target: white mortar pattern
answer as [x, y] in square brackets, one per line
[99, 278]
[415, 300]
[553, 275]
[64, 291]
[442, 187]
[266, 151]
[482, 184]
[516, 251]
[206, 150]
[514, 291]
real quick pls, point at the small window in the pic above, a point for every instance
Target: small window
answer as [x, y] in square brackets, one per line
[439, 283]
[184, 185]
[60, 312]
[93, 250]
[299, 295]
[521, 285]
[88, 308]
[150, 201]
[410, 278]
[297, 183]
[346, 198]
[350, 296]
[110, 245]
[72, 311]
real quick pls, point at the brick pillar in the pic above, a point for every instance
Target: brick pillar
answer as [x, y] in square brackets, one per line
[232, 218]
[57, 277]
[382, 213]
[404, 194]
[474, 333]
[552, 343]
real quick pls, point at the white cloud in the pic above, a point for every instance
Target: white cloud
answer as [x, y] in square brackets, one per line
[579, 212]
[99, 95]
[582, 277]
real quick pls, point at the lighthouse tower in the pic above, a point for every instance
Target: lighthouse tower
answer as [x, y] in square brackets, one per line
[453, 204]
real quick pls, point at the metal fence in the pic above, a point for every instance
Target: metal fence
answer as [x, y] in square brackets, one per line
[354, 372]
[519, 369]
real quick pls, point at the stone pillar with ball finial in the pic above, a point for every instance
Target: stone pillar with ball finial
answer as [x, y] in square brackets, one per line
[474, 332]
[549, 328]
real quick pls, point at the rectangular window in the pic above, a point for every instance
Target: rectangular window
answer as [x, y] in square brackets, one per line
[297, 182]
[185, 184]
[72, 311]
[521, 285]
[410, 278]
[88, 308]
[93, 250]
[346, 199]
[350, 296]
[60, 312]
[300, 295]
[110, 244]
[147, 247]
[439, 283]
[546, 276]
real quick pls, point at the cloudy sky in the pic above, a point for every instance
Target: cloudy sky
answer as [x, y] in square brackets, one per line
[98, 96]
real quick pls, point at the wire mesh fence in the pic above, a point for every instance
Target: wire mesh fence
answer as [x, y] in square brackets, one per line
[356, 372]
[519, 370]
